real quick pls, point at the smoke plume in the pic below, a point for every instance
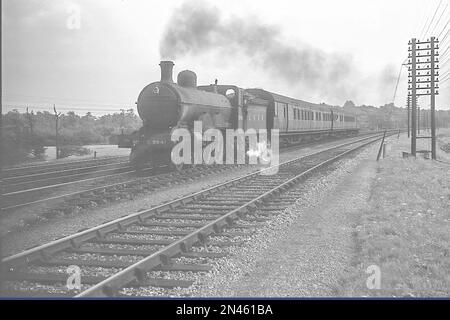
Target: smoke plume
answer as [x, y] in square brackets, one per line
[197, 27]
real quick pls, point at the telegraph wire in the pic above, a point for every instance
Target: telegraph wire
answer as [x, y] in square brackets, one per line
[426, 22]
[445, 74]
[434, 15]
[445, 37]
[439, 20]
[445, 52]
[48, 99]
[23, 106]
[398, 78]
[422, 20]
[443, 29]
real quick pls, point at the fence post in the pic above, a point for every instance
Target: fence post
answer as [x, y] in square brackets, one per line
[381, 146]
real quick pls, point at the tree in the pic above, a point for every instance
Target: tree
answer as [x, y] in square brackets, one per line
[349, 104]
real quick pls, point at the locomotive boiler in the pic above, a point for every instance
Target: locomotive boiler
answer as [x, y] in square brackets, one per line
[164, 106]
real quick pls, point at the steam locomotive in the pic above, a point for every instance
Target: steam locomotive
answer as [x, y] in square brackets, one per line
[164, 106]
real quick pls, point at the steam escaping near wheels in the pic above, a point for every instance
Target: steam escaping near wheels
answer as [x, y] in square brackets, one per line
[178, 167]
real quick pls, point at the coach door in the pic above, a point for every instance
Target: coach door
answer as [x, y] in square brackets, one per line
[283, 115]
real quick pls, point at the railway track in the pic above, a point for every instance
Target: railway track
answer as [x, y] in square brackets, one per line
[52, 185]
[155, 247]
[104, 193]
[57, 178]
[22, 170]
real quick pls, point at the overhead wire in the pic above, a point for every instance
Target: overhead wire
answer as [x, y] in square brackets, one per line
[445, 37]
[398, 79]
[52, 99]
[425, 24]
[445, 52]
[434, 15]
[440, 33]
[440, 17]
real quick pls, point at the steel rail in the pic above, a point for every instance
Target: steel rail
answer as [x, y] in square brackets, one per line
[137, 216]
[69, 162]
[55, 198]
[59, 181]
[33, 175]
[136, 271]
[46, 250]
[67, 183]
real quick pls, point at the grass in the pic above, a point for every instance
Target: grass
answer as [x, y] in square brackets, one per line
[405, 229]
[443, 144]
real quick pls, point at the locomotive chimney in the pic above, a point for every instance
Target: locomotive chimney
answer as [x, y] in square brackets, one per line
[166, 71]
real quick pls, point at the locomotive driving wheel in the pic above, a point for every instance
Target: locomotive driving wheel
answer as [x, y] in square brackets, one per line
[137, 158]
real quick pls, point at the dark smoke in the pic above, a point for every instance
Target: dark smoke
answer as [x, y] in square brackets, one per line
[197, 27]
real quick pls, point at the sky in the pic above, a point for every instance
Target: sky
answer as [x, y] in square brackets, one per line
[97, 55]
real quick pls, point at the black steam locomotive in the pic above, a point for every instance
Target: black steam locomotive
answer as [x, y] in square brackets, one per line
[165, 106]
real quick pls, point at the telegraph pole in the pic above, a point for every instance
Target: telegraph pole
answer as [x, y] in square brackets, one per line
[423, 66]
[433, 100]
[57, 115]
[418, 120]
[408, 110]
[408, 102]
[412, 89]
